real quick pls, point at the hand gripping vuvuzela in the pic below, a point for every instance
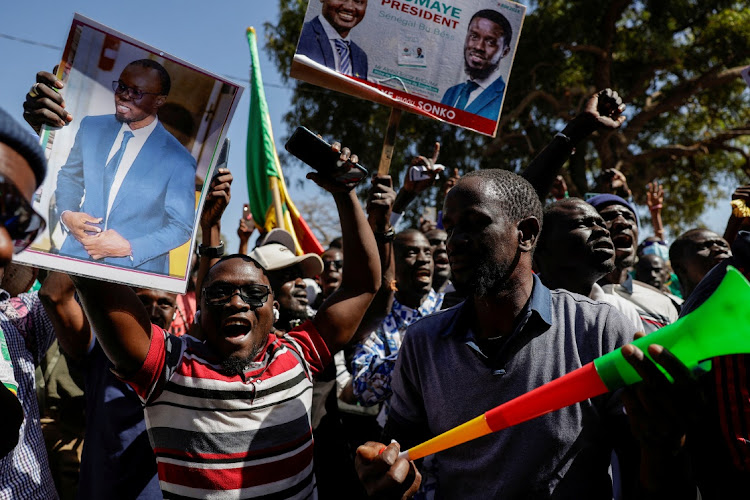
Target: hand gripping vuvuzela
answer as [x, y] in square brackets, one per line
[719, 327]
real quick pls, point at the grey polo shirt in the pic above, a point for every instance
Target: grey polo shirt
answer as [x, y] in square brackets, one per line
[443, 379]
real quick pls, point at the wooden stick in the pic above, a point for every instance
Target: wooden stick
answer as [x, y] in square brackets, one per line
[277, 202]
[390, 141]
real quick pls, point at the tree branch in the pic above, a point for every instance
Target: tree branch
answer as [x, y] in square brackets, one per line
[497, 143]
[677, 96]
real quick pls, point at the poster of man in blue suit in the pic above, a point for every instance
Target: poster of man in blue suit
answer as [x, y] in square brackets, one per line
[325, 39]
[449, 60]
[112, 207]
[487, 42]
[129, 169]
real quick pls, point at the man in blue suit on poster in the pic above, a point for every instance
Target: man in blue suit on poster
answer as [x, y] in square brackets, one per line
[126, 194]
[487, 42]
[326, 39]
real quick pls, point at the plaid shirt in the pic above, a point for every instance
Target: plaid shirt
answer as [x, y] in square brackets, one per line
[375, 358]
[24, 472]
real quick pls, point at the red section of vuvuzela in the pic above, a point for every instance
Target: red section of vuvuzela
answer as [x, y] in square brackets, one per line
[576, 386]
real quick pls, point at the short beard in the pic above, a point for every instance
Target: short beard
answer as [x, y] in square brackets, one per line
[480, 73]
[490, 278]
[237, 366]
[604, 268]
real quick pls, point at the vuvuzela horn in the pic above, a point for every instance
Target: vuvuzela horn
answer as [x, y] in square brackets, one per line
[719, 327]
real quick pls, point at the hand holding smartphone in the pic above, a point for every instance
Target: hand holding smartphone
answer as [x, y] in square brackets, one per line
[317, 153]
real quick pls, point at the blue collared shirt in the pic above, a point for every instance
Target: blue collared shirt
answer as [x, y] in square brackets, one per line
[445, 376]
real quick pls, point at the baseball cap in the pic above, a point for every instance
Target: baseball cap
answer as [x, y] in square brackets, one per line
[277, 235]
[275, 256]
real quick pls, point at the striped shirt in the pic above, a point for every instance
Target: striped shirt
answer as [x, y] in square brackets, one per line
[24, 472]
[240, 436]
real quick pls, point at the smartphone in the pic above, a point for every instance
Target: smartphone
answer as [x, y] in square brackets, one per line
[246, 212]
[223, 159]
[420, 172]
[317, 153]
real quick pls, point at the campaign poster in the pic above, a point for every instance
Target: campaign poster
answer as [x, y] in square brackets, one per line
[446, 59]
[127, 178]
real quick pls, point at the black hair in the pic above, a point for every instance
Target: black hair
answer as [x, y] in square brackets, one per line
[499, 19]
[398, 240]
[684, 246]
[164, 80]
[336, 243]
[552, 216]
[514, 195]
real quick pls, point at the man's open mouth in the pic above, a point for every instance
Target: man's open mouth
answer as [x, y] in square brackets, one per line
[622, 241]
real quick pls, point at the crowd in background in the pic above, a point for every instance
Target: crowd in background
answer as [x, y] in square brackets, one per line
[288, 375]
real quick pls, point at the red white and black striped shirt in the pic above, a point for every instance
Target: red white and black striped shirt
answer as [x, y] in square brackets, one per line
[221, 436]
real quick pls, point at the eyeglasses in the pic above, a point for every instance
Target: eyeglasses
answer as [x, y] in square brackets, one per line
[133, 93]
[337, 264]
[220, 294]
[16, 215]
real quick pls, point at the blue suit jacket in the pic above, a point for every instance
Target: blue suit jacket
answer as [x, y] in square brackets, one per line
[487, 104]
[155, 206]
[314, 43]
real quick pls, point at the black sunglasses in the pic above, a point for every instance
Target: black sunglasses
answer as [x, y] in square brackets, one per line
[133, 93]
[18, 217]
[221, 293]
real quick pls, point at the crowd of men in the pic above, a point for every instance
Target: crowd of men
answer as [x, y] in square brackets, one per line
[302, 376]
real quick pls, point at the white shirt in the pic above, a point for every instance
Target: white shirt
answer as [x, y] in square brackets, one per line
[134, 146]
[483, 85]
[333, 35]
[620, 303]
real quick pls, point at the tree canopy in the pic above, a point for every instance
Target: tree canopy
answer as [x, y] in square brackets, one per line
[676, 64]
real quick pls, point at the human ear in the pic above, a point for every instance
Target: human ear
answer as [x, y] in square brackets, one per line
[528, 232]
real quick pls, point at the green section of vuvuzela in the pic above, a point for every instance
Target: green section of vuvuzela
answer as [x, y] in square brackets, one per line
[719, 327]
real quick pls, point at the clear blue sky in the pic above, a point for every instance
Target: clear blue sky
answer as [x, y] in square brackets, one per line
[210, 35]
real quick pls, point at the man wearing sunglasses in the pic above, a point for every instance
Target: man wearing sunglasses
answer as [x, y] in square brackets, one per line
[231, 413]
[138, 180]
[25, 330]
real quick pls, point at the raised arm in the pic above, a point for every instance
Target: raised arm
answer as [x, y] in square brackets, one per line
[603, 111]
[120, 320]
[740, 217]
[71, 326]
[217, 200]
[379, 204]
[340, 315]
[655, 202]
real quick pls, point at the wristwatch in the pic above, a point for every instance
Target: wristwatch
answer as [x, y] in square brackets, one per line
[386, 235]
[211, 252]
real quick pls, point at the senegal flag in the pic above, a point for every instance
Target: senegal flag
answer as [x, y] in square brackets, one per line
[264, 169]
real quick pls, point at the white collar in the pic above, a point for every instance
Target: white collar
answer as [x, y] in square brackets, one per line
[331, 32]
[143, 131]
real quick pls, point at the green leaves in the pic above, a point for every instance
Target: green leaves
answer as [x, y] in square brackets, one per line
[675, 63]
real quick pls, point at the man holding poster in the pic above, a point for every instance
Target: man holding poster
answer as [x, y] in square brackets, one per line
[326, 39]
[487, 42]
[113, 164]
